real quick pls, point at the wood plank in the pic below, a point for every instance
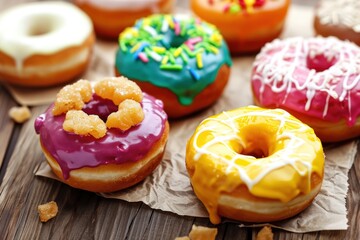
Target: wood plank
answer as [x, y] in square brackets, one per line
[84, 215]
[353, 200]
[17, 184]
[117, 215]
[232, 231]
[6, 124]
[162, 224]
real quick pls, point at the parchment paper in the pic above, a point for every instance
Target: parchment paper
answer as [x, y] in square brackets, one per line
[168, 188]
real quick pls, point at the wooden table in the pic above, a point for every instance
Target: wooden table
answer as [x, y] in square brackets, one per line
[84, 215]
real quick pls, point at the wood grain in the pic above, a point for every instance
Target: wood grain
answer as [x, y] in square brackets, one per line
[84, 215]
[6, 124]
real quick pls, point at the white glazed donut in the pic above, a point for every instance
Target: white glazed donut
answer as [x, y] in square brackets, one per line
[44, 43]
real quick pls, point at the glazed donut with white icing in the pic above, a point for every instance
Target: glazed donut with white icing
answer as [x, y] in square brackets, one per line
[254, 165]
[44, 43]
[339, 18]
[105, 138]
[317, 80]
[112, 17]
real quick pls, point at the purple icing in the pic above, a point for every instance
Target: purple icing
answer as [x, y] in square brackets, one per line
[73, 151]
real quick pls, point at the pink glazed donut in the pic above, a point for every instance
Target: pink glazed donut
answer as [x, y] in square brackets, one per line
[315, 79]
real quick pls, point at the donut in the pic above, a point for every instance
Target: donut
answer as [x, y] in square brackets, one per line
[103, 138]
[315, 79]
[245, 24]
[339, 18]
[44, 43]
[112, 17]
[255, 165]
[177, 58]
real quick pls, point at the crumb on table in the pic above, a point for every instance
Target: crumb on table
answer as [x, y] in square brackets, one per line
[265, 234]
[182, 238]
[200, 233]
[47, 211]
[19, 114]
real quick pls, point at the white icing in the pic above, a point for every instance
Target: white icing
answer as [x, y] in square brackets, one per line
[131, 5]
[43, 70]
[344, 12]
[61, 25]
[289, 155]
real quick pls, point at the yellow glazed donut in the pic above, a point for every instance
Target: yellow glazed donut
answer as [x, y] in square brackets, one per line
[44, 43]
[255, 165]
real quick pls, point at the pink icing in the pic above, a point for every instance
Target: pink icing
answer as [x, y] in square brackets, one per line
[73, 151]
[317, 77]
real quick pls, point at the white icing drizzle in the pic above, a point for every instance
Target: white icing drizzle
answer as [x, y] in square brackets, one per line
[345, 12]
[41, 28]
[278, 159]
[131, 5]
[276, 66]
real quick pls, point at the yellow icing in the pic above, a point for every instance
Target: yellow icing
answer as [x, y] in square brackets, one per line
[270, 151]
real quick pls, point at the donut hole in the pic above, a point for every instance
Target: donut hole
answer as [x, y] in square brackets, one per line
[171, 40]
[101, 107]
[40, 25]
[256, 152]
[320, 62]
[257, 139]
[39, 30]
[176, 42]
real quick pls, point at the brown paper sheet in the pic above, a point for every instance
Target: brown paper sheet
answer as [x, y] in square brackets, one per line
[169, 189]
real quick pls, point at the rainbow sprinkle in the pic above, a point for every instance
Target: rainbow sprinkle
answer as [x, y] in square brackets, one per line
[159, 50]
[171, 67]
[177, 28]
[199, 61]
[237, 6]
[165, 60]
[147, 42]
[177, 52]
[170, 21]
[194, 74]
[143, 57]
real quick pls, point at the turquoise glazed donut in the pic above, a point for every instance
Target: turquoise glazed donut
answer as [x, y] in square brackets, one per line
[175, 58]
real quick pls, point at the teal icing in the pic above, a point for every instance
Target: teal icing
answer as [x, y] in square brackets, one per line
[182, 82]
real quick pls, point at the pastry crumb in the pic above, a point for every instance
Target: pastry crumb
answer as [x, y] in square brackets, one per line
[182, 238]
[118, 89]
[200, 233]
[80, 123]
[125, 93]
[72, 97]
[265, 234]
[19, 114]
[47, 211]
[129, 114]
